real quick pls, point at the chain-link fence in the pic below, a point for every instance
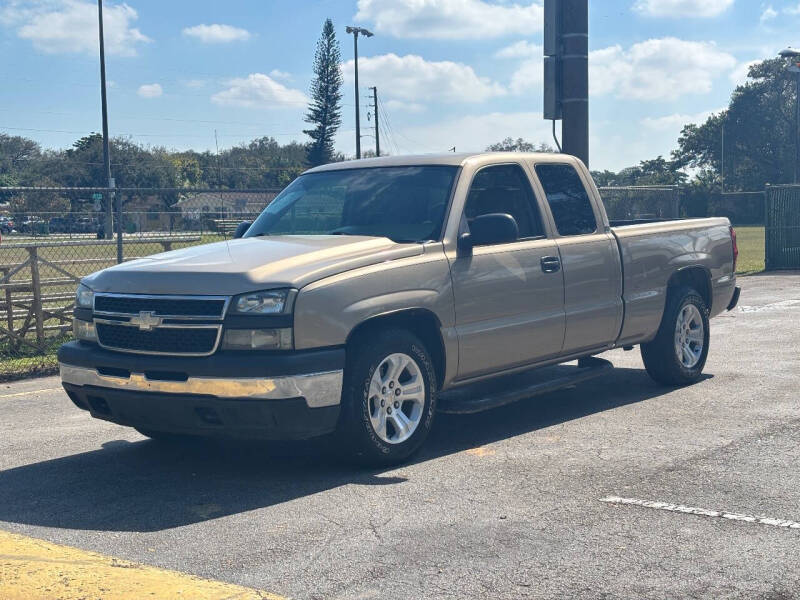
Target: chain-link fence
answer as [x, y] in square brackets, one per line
[632, 203]
[52, 237]
[782, 227]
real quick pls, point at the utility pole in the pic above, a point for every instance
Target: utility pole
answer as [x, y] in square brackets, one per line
[566, 72]
[355, 31]
[106, 153]
[794, 56]
[375, 111]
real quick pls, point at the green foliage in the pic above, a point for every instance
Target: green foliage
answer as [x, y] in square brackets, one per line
[657, 171]
[519, 145]
[759, 126]
[324, 110]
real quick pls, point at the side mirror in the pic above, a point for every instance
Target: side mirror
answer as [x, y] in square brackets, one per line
[241, 229]
[494, 228]
[464, 245]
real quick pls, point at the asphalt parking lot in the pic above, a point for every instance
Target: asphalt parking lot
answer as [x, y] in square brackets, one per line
[503, 504]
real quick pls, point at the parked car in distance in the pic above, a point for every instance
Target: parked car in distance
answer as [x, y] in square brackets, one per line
[6, 224]
[370, 291]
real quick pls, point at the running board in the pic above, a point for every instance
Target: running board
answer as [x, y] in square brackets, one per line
[500, 391]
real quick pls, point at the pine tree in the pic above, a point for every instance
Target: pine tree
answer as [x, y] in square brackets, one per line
[324, 110]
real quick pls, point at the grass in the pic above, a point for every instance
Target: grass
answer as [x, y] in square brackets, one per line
[751, 249]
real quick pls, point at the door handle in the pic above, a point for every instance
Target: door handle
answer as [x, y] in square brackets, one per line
[550, 264]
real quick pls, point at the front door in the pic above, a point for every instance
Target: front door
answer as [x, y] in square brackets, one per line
[509, 298]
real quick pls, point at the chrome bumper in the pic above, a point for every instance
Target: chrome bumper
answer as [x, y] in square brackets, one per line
[318, 389]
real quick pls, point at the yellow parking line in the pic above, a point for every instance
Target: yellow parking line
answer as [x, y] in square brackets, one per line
[28, 393]
[32, 569]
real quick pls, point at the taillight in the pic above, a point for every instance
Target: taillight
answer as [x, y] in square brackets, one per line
[735, 248]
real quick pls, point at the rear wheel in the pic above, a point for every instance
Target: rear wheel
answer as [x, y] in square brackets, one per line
[678, 353]
[389, 398]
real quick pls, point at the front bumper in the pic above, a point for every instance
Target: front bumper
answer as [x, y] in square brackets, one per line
[254, 395]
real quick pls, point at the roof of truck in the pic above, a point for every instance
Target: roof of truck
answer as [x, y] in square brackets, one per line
[443, 158]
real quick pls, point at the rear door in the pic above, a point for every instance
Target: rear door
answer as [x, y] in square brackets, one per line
[509, 307]
[589, 257]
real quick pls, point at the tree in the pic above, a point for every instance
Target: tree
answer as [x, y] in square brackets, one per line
[657, 171]
[519, 145]
[324, 110]
[759, 126]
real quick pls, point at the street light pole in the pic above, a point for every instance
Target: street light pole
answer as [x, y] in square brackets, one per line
[104, 107]
[356, 31]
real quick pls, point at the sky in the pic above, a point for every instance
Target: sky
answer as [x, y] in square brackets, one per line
[450, 73]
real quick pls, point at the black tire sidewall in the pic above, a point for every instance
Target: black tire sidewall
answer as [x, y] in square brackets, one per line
[364, 443]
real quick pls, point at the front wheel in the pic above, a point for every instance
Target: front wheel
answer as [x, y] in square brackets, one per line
[678, 353]
[389, 398]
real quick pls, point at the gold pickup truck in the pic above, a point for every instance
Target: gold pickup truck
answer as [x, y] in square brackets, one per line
[370, 292]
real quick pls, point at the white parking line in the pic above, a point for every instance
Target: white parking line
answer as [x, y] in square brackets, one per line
[703, 512]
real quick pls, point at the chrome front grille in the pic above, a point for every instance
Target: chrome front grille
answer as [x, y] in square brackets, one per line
[171, 325]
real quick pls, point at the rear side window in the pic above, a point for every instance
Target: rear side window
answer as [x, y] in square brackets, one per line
[568, 200]
[505, 189]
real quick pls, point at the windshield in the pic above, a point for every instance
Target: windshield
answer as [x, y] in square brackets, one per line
[405, 204]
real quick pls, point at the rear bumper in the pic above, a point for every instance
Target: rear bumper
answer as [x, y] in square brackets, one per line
[735, 298]
[251, 395]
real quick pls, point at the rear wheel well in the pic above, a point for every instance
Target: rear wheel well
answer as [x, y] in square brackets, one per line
[422, 323]
[696, 278]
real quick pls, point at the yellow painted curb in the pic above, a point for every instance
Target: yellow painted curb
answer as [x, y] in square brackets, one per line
[32, 569]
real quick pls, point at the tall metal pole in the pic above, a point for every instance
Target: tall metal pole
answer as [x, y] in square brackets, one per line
[358, 112]
[575, 61]
[106, 153]
[375, 111]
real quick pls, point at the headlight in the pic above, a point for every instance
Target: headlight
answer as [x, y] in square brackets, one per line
[84, 330]
[268, 302]
[257, 339]
[84, 297]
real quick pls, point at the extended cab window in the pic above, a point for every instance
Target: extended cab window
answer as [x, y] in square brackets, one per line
[505, 189]
[568, 200]
[405, 204]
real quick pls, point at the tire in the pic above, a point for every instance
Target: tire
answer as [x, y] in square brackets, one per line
[675, 356]
[365, 405]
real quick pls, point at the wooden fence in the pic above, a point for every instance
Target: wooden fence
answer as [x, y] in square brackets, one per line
[37, 290]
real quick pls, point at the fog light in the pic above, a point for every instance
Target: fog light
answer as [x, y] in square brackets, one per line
[84, 330]
[257, 339]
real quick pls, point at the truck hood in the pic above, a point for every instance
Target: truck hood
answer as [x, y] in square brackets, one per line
[246, 265]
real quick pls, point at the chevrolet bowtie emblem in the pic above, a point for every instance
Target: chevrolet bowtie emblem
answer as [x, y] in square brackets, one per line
[146, 321]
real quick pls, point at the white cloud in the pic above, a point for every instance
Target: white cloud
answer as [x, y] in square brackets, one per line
[792, 10]
[739, 75]
[194, 84]
[217, 34]
[768, 14]
[399, 105]
[150, 90]
[451, 19]
[675, 122]
[657, 69]
[412, 78]
[521, 49]
[529, 73]
[278, 74]
[258, 91]
[70, 26]
[682, 8]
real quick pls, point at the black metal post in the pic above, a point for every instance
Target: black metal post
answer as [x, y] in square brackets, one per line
[375, 111]
[106, 152]
[575, 61]
[358, 112]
